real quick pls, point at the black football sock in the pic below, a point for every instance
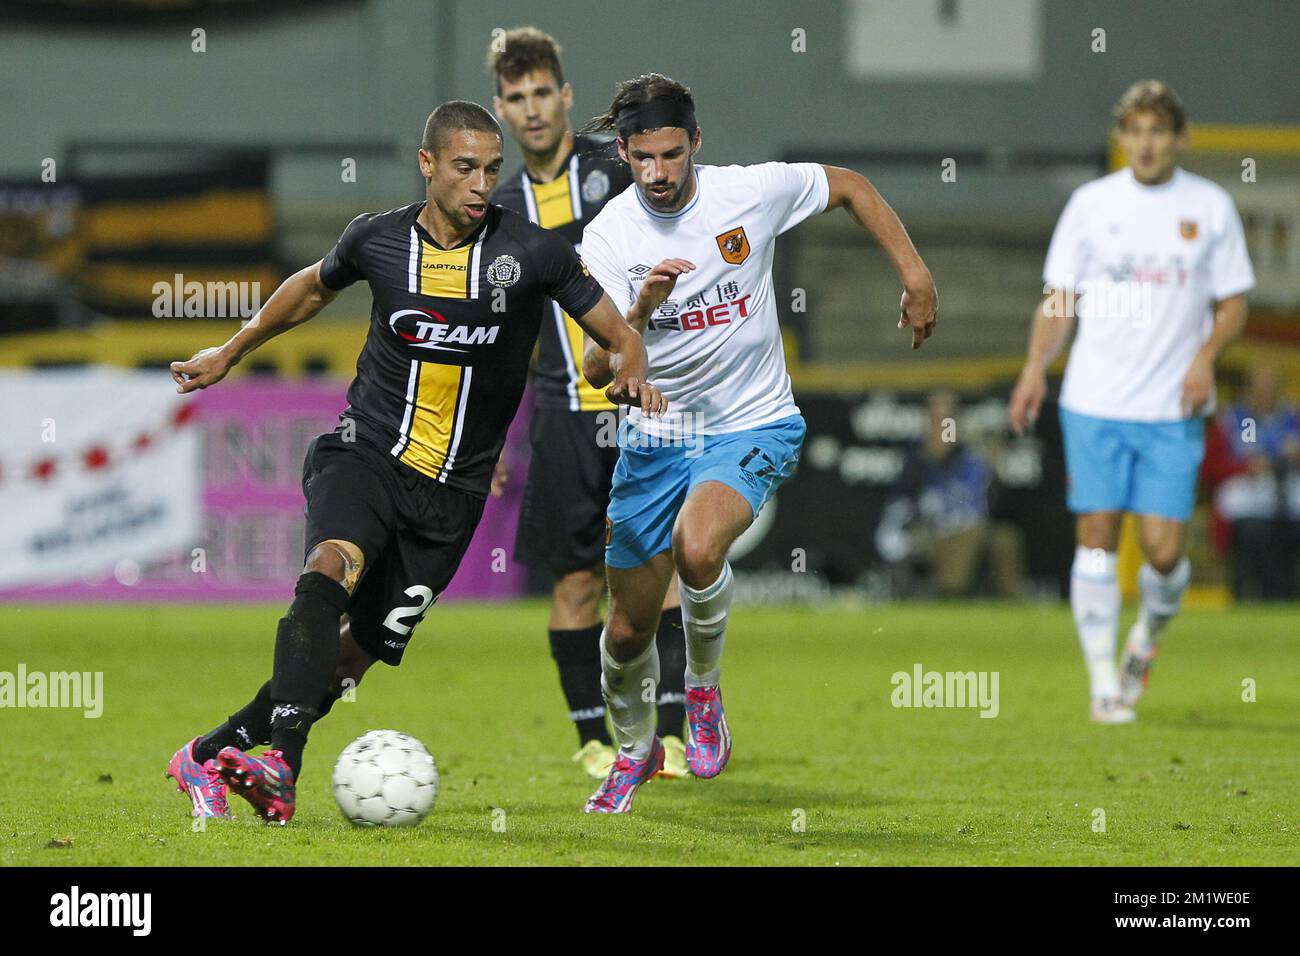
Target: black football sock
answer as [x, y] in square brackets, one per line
[577, 655]
[245, 729]
[306, 656]
[670, 639]
[251, 727]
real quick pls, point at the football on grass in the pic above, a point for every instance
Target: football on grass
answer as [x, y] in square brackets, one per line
[385, 779]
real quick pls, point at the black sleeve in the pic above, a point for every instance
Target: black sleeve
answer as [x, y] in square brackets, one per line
[342, 266]
[564, 276]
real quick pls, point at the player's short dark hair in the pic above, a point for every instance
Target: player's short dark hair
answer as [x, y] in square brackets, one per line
[1155, 96]
[643, 89]
[524, 50]
[454, 116]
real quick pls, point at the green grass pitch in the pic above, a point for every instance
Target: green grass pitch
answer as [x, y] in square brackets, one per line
[1204, 777]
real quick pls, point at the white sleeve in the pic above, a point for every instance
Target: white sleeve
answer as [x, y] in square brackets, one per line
[604, 265]
[1067, 255]
[792, 192]
[1230, 270]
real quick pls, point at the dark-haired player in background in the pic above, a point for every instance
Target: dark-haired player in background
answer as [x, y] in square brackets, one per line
[687, 485]
[394, 495]
[565, 182]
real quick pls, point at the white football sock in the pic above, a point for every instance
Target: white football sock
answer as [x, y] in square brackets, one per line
[1162, 595]
[1094, 598]
[704, 618]
[629, 700]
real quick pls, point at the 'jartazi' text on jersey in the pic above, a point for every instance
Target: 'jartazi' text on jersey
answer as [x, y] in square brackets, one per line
[451, 332]
[714, 345]
[589, 178]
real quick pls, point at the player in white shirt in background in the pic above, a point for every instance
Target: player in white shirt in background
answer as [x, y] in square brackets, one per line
[687, 254]
[1155, 260]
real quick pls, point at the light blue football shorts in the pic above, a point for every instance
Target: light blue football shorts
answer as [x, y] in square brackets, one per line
[1143, 467]
[652, 480]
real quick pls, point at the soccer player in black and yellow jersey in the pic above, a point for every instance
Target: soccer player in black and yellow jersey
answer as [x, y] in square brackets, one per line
[566, 180]
[394, 494]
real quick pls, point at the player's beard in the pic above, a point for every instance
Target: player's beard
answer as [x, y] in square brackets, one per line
[671, 201]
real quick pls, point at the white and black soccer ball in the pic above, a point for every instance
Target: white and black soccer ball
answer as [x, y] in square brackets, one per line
[385, 779]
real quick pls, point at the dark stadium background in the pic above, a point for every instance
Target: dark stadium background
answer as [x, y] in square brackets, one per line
[228, 165]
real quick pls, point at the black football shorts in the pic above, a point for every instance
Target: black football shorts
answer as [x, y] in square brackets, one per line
[562, 520]
[412, 530]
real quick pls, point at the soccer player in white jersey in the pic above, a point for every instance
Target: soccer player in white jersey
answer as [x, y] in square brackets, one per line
[1153, 261]
[687, 254]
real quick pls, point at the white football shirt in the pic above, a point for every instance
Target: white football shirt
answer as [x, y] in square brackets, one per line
[1150, 262]
[714, 345]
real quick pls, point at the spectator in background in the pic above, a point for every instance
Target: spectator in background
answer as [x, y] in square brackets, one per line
[942, 516]
[1253, 462]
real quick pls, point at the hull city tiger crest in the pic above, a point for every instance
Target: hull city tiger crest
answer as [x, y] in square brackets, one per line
[1187, 228]
[734, 245]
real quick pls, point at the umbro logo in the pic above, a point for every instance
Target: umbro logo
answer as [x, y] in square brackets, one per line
[639, 270]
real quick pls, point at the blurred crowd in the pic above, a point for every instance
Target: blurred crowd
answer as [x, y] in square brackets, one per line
[937, 531]
[1252, 470]
[939, 538]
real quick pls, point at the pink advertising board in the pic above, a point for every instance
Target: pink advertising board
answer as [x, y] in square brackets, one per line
[254, 434]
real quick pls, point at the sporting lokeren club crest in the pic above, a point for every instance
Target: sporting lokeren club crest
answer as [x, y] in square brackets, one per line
[595, 187]
[503, 272]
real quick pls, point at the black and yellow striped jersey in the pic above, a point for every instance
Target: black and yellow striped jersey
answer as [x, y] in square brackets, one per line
[589, 178]
[451, 333]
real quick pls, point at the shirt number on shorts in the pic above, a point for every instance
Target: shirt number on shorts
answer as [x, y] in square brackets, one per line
[394, 620]
[763, 472]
